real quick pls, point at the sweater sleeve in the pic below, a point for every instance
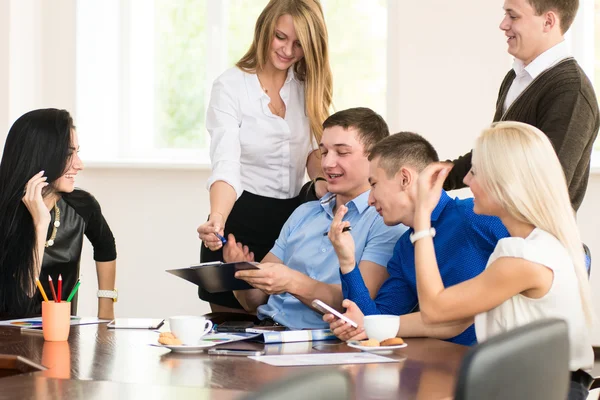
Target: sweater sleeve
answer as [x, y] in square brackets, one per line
[570, 122]
[462, 165]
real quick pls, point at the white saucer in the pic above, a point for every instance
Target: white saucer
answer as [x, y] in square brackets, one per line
[180, 348]
[375, 349]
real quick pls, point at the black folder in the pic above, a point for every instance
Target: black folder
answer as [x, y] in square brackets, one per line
[216, 277]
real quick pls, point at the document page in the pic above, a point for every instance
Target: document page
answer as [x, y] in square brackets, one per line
[294, 360]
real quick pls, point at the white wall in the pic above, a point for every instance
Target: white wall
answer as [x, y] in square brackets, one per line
[449, 66]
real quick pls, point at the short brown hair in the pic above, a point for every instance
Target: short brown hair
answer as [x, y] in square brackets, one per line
[566, 10]
[402, 149]
[371, 127]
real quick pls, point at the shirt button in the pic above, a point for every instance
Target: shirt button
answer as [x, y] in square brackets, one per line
[323, 250]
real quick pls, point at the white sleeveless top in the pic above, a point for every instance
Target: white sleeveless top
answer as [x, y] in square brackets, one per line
[562, 300]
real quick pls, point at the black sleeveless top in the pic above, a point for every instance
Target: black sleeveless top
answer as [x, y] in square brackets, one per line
[80, 215]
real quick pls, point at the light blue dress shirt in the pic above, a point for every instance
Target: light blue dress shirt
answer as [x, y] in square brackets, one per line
[302, 247]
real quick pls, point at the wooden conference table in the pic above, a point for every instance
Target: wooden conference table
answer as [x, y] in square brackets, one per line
[99, 363]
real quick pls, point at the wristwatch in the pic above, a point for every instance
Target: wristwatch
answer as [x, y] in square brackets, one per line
[110, 294]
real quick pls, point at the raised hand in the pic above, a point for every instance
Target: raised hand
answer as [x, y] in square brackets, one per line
[34, 201]
[235, 251]
[342, 242]
[429, 185]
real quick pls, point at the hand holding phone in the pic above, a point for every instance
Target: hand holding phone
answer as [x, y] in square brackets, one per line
[324, 309]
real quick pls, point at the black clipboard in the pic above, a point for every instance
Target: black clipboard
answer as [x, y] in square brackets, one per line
[216, 277]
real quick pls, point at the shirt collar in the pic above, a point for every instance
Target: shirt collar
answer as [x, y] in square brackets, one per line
[542, 62]
[361, 202]
[254, 88]
[444, 199]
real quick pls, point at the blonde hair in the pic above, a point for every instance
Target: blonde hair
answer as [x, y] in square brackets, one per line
[313, 69]
[517, 165]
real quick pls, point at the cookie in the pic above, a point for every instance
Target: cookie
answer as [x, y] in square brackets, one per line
[369, 343]
[168, 338]
[392, 341]
[169, 341]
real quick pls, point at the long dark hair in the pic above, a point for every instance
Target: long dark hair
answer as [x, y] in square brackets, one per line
[38, 140]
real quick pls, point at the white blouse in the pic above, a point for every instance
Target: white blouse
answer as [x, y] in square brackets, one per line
[251, 148]
[562, 300]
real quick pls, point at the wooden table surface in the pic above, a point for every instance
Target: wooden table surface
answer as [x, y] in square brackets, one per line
[97, 362]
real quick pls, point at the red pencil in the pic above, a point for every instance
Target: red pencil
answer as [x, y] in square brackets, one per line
[52, 287]
[59, 287]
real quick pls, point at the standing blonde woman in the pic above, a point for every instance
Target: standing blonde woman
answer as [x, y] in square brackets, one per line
[538, 272]
[264, 119]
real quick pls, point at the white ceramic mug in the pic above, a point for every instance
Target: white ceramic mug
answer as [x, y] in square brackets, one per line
[190, 329]
[381, 327]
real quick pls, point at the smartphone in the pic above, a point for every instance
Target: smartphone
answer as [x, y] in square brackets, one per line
[234, 326]
[325, 309]
[235, 352]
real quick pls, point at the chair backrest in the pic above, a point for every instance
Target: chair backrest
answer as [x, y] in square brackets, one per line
[332, 384]
[530, 362]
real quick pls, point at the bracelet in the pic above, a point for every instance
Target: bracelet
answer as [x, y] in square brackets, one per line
[422, 234]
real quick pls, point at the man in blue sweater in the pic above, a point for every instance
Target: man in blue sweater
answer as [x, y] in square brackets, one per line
[464, 241]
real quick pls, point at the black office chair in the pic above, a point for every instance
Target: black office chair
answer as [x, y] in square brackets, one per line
[530, 362]
[332, 384]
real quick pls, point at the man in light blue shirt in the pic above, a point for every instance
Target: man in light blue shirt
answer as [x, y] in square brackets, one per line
[303, 266]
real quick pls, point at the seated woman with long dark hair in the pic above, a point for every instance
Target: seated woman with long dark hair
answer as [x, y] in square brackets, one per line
[43, 218]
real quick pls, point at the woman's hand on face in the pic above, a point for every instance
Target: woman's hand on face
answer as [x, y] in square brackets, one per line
[429, 185]
[34, 201]
[206, 231]
[342, 242]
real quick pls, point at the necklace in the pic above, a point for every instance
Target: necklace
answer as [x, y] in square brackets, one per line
[50, 242]
[280, 112]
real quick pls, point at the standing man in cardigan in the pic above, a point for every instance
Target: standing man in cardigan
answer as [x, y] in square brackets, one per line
[546, 88]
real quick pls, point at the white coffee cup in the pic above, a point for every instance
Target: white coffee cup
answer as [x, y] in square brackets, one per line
[381, 327]
[190, 329]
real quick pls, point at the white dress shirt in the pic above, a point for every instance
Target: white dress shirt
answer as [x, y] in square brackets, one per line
[561, 301]
[251, 148]
[526, 74]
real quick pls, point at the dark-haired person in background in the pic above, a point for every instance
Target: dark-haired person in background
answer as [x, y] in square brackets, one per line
[43, 218]
[546, 88]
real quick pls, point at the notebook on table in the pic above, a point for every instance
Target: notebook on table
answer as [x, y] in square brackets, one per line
[136, 323]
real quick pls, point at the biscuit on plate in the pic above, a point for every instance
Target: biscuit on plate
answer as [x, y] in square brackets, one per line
[369, 343]
[392, 341]
[168, 338]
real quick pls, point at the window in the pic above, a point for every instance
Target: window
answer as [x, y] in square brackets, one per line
[145, 68]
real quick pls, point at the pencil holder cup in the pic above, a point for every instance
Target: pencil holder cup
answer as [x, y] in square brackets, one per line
[56, 320]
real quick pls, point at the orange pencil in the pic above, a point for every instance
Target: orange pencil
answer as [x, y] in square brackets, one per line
[39, 285]
[52, 287]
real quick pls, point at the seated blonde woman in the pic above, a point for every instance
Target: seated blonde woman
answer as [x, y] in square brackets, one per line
[538, 272]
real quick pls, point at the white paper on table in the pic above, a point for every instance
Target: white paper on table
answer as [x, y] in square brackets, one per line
[293, 360]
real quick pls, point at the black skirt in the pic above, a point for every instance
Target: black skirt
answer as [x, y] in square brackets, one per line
[256, 222]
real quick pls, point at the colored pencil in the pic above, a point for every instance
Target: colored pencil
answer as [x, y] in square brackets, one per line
[59, 288]
[39, 285]
[52, 287]
[74, 290]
